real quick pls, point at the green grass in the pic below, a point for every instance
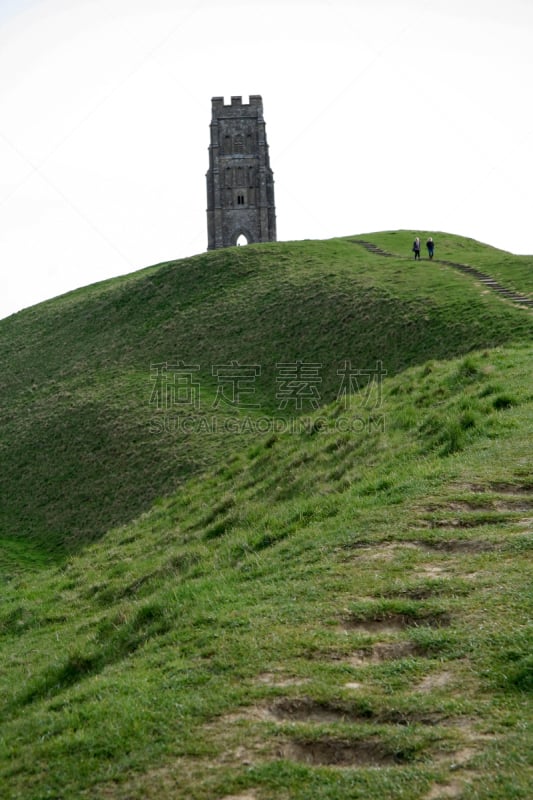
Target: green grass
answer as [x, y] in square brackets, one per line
[79, 435]
[338, 612]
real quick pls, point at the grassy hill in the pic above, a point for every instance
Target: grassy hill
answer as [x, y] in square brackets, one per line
[337, 609]
[80, 443]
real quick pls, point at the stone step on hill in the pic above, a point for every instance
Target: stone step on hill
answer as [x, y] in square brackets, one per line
[482, 277]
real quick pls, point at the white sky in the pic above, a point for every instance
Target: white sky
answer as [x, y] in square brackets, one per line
[414, 114]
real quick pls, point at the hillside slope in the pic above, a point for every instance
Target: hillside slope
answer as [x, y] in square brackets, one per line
[339, 613]
[89, 440]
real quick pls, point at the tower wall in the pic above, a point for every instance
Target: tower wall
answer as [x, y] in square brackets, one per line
[240, 183]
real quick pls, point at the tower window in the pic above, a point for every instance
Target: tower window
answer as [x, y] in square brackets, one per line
[240, 199]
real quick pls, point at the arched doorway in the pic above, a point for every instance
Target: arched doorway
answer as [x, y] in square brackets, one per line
[241, 240]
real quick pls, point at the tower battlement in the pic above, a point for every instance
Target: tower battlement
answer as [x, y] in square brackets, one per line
[240, 183]
[236, 100]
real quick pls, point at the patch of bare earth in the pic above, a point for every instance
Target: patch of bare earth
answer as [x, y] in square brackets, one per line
[511, 502]
[474, 741]
[497, 488]
[251, 713]
[374, 626]
[383, 651]
[418, 591]
[515, 505]
[327, 712]
[449, 545]
[462, 522]
[307, 710]
[449, 789]
[385, 551]
[237, 739]
[279, 680]
[333, 752]
[392, 623]
[432, 571]
[245, 796]
[244, 755]
[437, 680]
[512, 488]
[457, 758]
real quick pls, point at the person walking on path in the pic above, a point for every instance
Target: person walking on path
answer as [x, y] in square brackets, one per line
[416, 248]
[430, 244]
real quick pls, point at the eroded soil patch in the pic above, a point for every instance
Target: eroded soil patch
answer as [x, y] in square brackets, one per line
[392, 623]
[376, 626]
[279, 680]
[424, 591]
[466, 522]
[445, 790]
[304, 709]
[458, 545]
[457, 758]
[245, 796]
[307, 710]
[387, 552]
[341, 753]
[510, 488]
[493, 507]
[432, 571]
[384, 651]
[436, 680]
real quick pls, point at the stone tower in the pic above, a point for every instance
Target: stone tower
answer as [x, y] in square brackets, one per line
[240, 183]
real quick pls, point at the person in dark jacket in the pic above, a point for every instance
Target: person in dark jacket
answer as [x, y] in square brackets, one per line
[416, 248]
[430, 244]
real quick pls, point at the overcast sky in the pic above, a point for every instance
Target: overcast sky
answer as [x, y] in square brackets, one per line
[380, 115]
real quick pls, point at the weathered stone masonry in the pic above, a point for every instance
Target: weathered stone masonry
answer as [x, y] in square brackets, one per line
[240, 183]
